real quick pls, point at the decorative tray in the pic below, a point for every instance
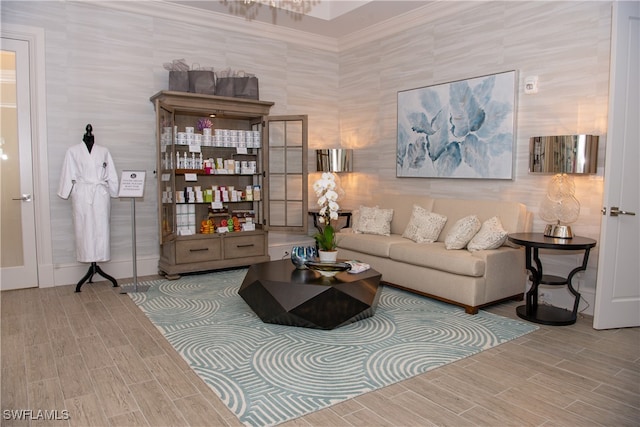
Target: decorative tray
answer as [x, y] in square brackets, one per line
[327, 269]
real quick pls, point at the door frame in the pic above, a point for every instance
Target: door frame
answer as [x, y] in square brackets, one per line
[36, 38]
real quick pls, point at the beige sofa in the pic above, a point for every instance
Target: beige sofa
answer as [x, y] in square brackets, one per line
[471, 279]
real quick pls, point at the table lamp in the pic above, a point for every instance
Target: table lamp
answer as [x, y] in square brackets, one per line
[565, 156]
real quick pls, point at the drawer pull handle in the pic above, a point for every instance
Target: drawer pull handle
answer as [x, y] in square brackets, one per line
[245, 246]
[198, 250]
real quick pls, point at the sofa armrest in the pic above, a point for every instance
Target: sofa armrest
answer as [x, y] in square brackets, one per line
[505, 273]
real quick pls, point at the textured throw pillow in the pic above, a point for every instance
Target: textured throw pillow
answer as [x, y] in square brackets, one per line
[355, 220]
[491, 236]
[462, 232]
[374, 220]
[424, 226]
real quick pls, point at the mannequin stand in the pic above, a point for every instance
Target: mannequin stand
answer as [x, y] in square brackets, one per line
[93, 269]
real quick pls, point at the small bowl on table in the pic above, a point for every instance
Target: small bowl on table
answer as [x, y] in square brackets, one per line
[327, 269]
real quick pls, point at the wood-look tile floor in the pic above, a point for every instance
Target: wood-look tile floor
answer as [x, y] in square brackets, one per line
[97, 356]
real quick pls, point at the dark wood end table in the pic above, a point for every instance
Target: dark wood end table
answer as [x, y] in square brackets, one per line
[546, 314]
[316, 213]
[279, 293]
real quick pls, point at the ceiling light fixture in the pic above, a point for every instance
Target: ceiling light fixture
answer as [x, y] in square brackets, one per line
[250, 8]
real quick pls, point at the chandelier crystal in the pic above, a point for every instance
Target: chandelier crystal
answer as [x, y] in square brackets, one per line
[250, 8]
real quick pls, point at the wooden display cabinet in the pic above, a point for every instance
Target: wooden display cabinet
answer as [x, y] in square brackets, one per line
[184, 247]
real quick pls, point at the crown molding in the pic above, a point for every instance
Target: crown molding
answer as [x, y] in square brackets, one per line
[191, 15]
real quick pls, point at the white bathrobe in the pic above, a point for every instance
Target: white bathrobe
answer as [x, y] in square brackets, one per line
[91, 180]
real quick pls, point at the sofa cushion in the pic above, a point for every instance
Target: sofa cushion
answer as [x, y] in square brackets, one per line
[437, 257]
[371, 244]
[374, 220]
[462, 232]
[402, 206]
[424, 226]
[491, 236]
[513, 215]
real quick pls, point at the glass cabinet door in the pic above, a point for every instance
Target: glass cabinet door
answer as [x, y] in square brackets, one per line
[166, 186]
[287, 172]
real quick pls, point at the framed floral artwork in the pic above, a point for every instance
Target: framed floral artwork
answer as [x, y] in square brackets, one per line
[460, 129]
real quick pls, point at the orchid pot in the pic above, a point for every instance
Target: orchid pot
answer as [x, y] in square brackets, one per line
[328, 256]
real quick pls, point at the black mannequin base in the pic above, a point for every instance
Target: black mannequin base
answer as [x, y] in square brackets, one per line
[93, 269]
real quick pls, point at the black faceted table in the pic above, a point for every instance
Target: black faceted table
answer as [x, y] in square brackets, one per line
[279, 293]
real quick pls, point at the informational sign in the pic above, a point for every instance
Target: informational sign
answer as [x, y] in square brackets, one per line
[132, 184]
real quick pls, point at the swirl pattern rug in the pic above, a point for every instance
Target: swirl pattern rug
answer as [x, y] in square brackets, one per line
[267, 374]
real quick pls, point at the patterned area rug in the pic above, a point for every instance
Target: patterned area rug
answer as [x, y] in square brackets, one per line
[267, 374]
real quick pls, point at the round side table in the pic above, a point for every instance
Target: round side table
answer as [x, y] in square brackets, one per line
[547, 314]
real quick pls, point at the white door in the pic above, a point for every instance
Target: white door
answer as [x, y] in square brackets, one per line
[618, 287]
[18, 262]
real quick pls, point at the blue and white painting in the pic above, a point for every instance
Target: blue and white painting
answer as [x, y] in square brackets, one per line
[461, 129]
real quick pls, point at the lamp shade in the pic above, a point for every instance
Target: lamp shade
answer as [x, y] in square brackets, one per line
[571, 154]
[334, 160]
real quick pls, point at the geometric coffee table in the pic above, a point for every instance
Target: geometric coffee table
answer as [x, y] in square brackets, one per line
[279, 293]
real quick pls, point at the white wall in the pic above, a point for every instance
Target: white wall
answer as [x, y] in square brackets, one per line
[103, 64]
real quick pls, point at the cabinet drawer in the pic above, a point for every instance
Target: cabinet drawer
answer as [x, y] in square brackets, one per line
[198, 250]
[243, 246]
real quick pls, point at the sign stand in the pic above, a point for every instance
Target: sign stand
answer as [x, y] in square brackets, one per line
[132, 186]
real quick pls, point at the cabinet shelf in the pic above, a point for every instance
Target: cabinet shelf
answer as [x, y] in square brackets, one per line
[230, 150]
[209, 203]
[202, 172]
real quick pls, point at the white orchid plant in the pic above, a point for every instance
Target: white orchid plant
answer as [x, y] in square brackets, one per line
[325, 189]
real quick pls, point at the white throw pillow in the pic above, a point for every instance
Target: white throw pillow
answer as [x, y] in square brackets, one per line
[491, 236]
[373, 220]
[424, 226]
[462, 232]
